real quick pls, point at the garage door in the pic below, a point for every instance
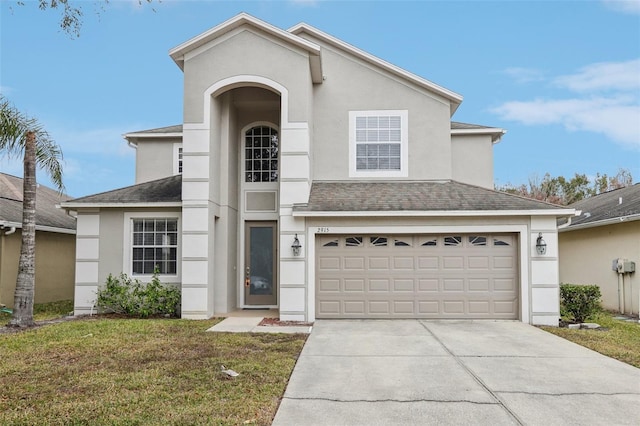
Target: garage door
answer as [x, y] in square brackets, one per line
[417, 276]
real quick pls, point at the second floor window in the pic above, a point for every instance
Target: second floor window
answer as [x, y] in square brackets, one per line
[261, 154]
[378, 143]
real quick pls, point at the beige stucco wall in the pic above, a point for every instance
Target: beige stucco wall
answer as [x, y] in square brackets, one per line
[112, 240]
[55, 266]
[155, 159]
[472, 159]
[244, 52]
[352, 85]
[586, 256]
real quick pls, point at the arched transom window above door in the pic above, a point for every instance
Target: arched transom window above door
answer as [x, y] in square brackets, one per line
[261, 154]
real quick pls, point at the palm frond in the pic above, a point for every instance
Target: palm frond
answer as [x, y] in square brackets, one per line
[14, 126]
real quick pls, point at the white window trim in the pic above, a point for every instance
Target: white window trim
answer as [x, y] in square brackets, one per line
[176, 158]
[127, 262]
[404, 145]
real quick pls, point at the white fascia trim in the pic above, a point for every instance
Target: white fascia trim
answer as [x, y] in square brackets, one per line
[73, 205]
[454, 97]
[495, 133]
[436, 213]
[178, 52]
[6, 224]
[604, 222]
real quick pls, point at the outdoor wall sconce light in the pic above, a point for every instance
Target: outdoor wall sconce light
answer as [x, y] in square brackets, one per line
[541, 244]
[296, 246]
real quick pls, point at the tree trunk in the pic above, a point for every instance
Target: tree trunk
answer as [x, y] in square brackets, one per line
[26, 282]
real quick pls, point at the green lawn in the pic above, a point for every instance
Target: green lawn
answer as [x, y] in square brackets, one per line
[621, 341]
[157, 371]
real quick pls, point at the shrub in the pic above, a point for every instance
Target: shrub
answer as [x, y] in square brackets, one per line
[580, 301]
[124, 295]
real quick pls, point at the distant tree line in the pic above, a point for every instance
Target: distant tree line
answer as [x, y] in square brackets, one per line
[563, 191]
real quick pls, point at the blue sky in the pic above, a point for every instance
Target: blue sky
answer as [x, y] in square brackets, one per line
[563, 77]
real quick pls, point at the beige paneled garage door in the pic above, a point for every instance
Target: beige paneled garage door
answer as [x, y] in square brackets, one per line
[417, 276]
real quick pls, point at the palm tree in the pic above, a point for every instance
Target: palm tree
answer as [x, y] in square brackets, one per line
[24, 136]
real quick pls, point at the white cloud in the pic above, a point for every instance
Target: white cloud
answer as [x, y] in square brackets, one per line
[604, 99]
[604, 76]
[624, 6]
[523, 75]
[616, 118]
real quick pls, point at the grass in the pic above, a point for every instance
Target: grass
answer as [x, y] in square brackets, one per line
[45, 311]
[101, 371]
[621, 340]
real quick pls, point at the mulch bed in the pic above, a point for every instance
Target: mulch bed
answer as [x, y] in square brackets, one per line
[275, 322]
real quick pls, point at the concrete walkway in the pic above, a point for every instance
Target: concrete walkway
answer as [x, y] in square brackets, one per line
[410, 372]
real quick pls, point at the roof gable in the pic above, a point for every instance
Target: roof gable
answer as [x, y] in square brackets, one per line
[178, 53]
[454, 98]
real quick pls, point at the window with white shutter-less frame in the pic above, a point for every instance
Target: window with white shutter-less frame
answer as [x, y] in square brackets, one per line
[378, 143]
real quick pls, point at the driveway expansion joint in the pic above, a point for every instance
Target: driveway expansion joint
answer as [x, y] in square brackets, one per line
[570, 393]
[458, 360]
[401, 401]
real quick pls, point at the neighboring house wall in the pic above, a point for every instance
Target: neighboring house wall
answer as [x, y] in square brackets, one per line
[586, 256]
[472, 160]
[155, 159]
[55, 266]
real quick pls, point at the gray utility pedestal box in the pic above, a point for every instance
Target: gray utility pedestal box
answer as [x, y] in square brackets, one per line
[623, 266]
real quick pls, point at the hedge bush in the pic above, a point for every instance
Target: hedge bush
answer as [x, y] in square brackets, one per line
[580, 301]
[127, 296]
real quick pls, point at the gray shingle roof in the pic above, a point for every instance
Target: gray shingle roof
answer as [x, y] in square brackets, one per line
[163, 190]
[619, 203]
[458, 125]
[412, 196]
[178, 128]
[159, 131]
[46, 199]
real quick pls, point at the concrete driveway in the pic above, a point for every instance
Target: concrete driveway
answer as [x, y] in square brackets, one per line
[403, 372]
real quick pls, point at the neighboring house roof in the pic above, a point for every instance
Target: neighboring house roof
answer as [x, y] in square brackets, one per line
[48, 216]
[165, 192]
[404, 198]
[608, 208]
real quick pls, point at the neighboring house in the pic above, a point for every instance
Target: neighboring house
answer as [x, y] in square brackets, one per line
[608, 228]
[55, 243]
[297, 138]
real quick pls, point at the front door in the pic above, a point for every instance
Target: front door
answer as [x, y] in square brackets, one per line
[260, 280]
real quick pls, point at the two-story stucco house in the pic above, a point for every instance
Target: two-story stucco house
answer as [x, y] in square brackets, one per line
[297, 138]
